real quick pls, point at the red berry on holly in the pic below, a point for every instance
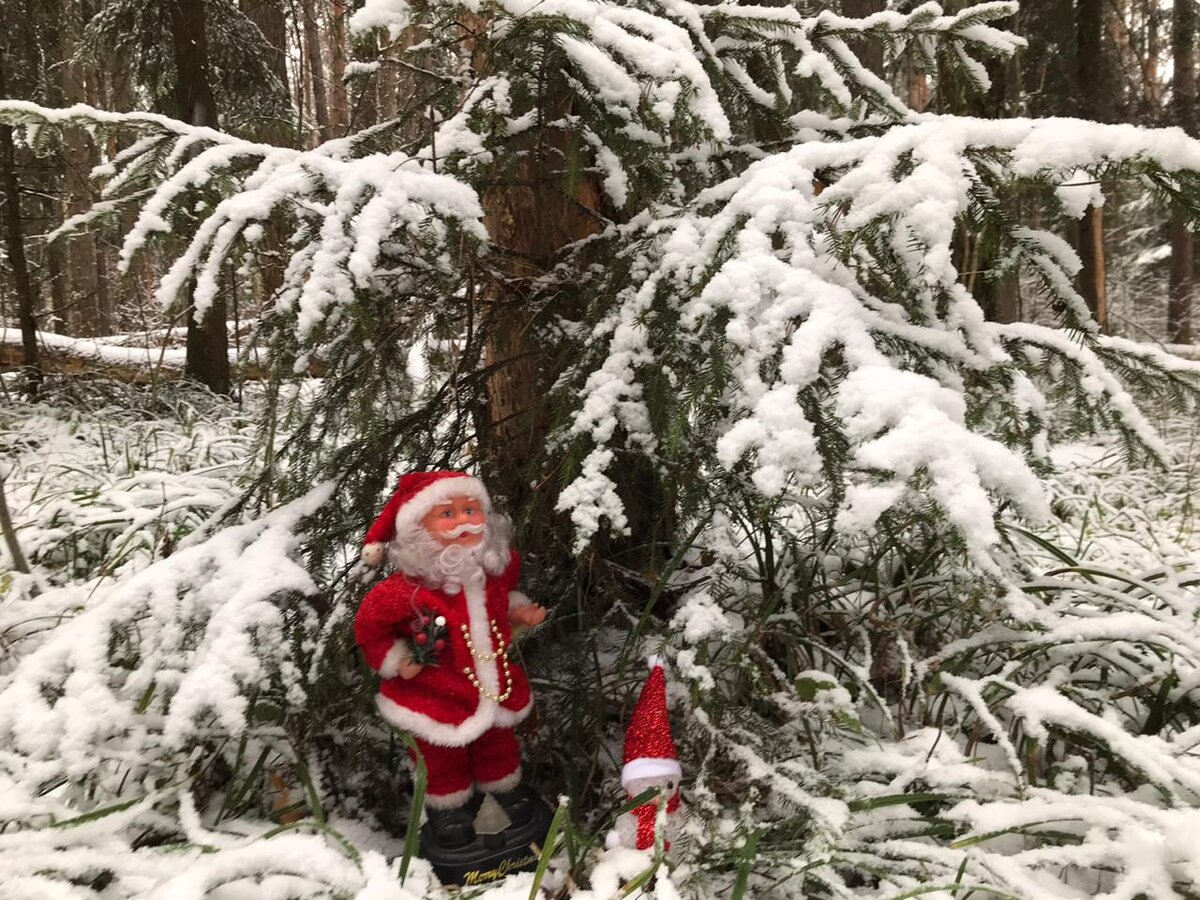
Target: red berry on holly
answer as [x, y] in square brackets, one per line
[422, 638]
[439, 644]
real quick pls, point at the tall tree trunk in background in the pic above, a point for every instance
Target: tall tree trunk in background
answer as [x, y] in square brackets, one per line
[339, 108]
[97, 96]
[207, 340]
[1183, 108]
[868, 50]
[531, 215]
[15, 247]
[389, 84]
[365, 111]
[1151, 76]
[916, 87]
[1089, 25]
[56, 279]
[406, 87]
[316, 68]
[271, 20]
[84, 301]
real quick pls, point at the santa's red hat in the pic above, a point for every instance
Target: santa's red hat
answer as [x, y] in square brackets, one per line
[649, 750]
[417, 494]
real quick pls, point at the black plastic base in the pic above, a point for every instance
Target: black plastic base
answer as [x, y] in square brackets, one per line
[492, 856]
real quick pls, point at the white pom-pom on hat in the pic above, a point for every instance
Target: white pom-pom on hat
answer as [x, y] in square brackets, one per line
[372, 554]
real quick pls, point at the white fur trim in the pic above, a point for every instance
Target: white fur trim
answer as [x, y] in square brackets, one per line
[654, 661]
[516, 600]
[399, 653]
[441, 491]
[650, 767]
[481, 635]
[449, 801]
[487, 715]
[373, 554]
[507, 783]
[441, 733]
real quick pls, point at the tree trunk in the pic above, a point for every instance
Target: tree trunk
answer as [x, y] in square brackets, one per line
[365, 112]
[83, 297]
[1183, 109]
[271, 20]
[1151, 77]
[207, 340]
[916, 87]
[389, 87]
[1089, 25]
[868, 50]
[105, 313]
[339, 109]
[316, 68]
[15, 247]
[531, 215]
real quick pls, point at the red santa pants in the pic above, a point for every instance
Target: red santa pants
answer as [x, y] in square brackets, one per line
[492, 761]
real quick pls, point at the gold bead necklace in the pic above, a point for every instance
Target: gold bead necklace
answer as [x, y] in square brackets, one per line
[500, 654]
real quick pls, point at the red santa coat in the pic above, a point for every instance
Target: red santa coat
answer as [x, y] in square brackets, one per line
[446, 704]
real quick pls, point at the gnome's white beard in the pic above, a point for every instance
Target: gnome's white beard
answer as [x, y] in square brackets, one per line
[418, 554]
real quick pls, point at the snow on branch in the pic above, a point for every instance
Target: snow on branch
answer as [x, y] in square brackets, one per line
[349, 211]
[143, 666]
[844, 309]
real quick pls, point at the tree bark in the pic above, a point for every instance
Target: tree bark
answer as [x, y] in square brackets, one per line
[365, 112]
[1089, 26]
[1183, 108]
[83, 294]
[207, 339]
[531, 214]
[868, 50]
[339, 108]
[15, 246]
[271, 20]
[94, 91]
[316, 68]
[389, 85]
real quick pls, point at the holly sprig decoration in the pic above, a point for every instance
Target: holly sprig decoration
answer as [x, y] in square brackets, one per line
[428, 638]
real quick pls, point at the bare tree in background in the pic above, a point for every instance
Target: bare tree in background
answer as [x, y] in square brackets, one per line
[15, 246]
[1183, 109]
[1089, 24]
[315, 68]
[207, 340]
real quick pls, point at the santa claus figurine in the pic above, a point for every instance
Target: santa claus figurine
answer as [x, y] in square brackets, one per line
[651, 761]
[439, 633]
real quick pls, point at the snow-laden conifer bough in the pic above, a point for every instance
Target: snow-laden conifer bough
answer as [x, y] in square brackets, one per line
[891, 683]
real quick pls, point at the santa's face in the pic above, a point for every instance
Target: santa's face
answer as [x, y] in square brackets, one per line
[458, 522]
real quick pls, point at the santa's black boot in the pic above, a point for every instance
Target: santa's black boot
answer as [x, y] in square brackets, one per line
[517, 804]
[452, 828]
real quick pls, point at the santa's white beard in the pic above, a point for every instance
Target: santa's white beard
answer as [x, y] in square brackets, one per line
[417, 554]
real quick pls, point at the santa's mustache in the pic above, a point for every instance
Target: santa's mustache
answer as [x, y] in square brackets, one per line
[464, 529]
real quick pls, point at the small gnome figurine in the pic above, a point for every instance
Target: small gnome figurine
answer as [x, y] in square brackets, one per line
[439, 631]
[650, 761]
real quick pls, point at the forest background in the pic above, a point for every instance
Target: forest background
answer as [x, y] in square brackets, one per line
[926, 580]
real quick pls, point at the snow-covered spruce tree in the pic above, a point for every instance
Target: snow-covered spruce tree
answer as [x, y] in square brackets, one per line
[693, 257]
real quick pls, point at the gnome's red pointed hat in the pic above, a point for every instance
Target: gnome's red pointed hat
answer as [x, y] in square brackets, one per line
[649, 750]
[416, 495]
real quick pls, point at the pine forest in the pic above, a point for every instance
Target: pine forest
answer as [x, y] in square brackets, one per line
[838, 357]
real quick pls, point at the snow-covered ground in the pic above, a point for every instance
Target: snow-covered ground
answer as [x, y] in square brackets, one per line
[134, 658]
